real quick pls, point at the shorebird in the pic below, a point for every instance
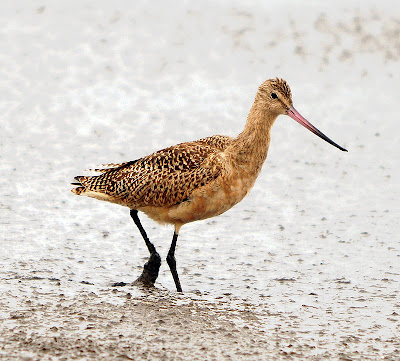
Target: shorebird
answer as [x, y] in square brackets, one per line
[194, 180]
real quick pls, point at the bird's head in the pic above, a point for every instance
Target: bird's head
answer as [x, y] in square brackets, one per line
[275, 96]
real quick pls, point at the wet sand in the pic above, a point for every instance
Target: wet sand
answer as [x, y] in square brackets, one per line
[306, 267]
[113, 325]
[135, 324]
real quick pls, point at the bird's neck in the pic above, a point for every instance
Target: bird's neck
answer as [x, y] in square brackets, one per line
[250, 147]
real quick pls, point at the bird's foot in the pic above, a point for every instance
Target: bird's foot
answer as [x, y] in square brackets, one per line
[150, 270]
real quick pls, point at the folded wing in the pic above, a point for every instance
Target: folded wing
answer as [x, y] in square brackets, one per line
[164, 178]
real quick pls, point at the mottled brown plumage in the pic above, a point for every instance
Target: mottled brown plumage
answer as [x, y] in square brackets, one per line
[195, 180]
[162, 179]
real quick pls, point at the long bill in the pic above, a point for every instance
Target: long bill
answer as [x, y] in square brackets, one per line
[294, 114]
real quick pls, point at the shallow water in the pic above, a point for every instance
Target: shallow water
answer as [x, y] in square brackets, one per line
[312, 253]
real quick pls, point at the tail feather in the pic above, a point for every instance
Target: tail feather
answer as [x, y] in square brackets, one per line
[81, 187]
[96, 185]
[90, 184]
[106, 167]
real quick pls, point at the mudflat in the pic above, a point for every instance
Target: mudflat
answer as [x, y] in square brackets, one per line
[305, 267]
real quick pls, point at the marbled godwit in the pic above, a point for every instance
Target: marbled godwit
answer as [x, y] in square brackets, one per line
[195, 180]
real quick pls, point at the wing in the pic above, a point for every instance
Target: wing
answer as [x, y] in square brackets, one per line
[106, 167]
[164, 178]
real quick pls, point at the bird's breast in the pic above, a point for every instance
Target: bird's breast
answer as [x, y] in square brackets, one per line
[214, 198]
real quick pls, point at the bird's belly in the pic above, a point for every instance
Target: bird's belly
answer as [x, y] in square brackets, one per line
[211, 200]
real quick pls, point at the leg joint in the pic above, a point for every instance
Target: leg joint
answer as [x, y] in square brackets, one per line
[171, 260]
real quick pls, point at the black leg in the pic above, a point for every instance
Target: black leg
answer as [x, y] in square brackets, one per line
[172, 262]
[152, 266]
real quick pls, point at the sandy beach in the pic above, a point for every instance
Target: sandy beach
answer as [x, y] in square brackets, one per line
[307, 266]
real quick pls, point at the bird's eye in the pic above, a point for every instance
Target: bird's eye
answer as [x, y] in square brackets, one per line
[274, 96]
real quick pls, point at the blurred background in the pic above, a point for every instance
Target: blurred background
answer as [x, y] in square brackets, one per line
[84, 83]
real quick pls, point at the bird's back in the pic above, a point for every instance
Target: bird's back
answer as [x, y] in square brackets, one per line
[164, 178]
